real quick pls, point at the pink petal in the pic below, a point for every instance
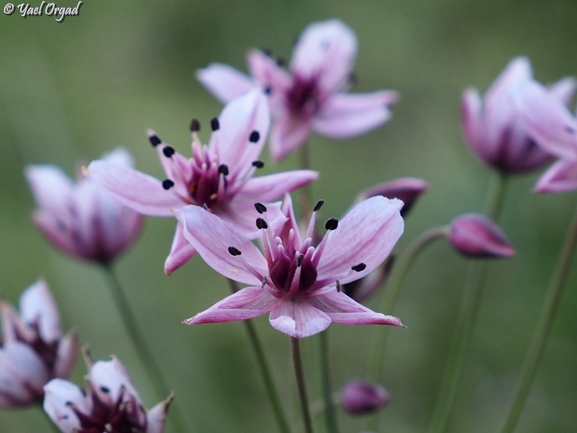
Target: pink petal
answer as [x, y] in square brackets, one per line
[298, 318]
[343, 309]
[58, 393]
[224, 82]
[471, 115]
[57, 232]
[134, 189]
[266, 71]
[560, 177]
[547, 120]
[51, 188]
[238, 120]
[564, 89]
[156, 417]
[180, 252]
[273, 186]
[22, 373]
[107, 379]
[326, 50]
[38, 305]
[245, 304]
[241, 214]
[212, 238]
[516, 72]
[367, 234]
[66, 355]
[288, 133]
[346, 115]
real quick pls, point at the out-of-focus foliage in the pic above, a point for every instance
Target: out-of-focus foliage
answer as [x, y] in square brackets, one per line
[74, 90]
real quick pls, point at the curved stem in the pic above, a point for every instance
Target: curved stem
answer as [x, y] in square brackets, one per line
[153, 370]
[392, 289]
[264, 370]
[537, 347]
[468, 311]
[300, 378]
[330, 415]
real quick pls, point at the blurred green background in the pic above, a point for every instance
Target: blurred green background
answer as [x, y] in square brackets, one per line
[74, 90]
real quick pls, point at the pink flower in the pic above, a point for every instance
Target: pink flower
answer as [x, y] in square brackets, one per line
[111, 404]
[497, 129]
[296, 282]
[474, 235]
[312, 96]
[82, 219]
[218, 176]
[32, 349]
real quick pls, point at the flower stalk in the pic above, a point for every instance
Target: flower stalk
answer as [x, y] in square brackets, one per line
[301, 385]
[537, 347]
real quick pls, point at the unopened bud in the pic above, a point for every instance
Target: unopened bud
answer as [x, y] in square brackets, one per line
[407, 189]
[360, 398]
[476, 236]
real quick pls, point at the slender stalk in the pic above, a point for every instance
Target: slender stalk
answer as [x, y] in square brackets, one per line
[330, 414]
[537, 347]
[300, 378]
[145, 354]
[392, 289]
[468, 312]
[264, 370]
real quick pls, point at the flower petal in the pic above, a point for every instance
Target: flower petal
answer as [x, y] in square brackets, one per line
[241, 214]
[288, 133]
[560, 177]
[343, 309]
[108, 378]
[66, 355]
[346, 115]
[245, 304]
[564, 90]
[156, 417]
[273, 186]
[298, 318]
[134, 189]
[51, 188]
[224, 82]
[38, 306]
[473, 129]
[517, 71]
[180, 252]
[326, 50]
[267, 72]
[58, 393]
[366, 235]
[212, 238]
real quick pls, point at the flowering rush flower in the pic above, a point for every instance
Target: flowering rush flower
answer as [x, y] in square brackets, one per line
[218, 176]
[111, 403]
[32, 349]
[555, 131]
[82, 219]
[312, 96]
[497, 128]
[298, 283]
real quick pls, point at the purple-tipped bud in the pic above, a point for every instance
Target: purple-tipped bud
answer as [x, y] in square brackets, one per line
[361, 398]
[407, 189]
[476, 236]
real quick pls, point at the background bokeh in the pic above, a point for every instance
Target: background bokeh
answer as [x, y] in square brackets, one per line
[72, 91]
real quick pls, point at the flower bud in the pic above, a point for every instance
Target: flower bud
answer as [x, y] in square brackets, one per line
[360, 398]
[407, 189]
[476, 236]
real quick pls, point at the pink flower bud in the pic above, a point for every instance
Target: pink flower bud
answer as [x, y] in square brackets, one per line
[361, 398]
[407, 189]
[476, 236]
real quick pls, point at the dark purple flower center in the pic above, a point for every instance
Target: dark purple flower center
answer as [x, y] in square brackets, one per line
[302, 97]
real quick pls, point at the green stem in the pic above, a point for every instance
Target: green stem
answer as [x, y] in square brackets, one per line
[392, 289]
[264, 370]
[537, 347]
[468, 312]
[145, 354]
[300, 378]
[330, 414]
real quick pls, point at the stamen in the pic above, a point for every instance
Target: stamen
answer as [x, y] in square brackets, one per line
[194, 125]
[280, 62]
[300, 259]
[318, 205]
[167, 184]
[104, 389]
[254, 136]
[214, 124]
[223, 169]
[168, 151]
[570, 129]
[261, 223]
[234, 251]
[332, 224]
[359, 268]
[154, 140]
[260, 208]
[338, 286]
[267, 90]
[258, 164]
